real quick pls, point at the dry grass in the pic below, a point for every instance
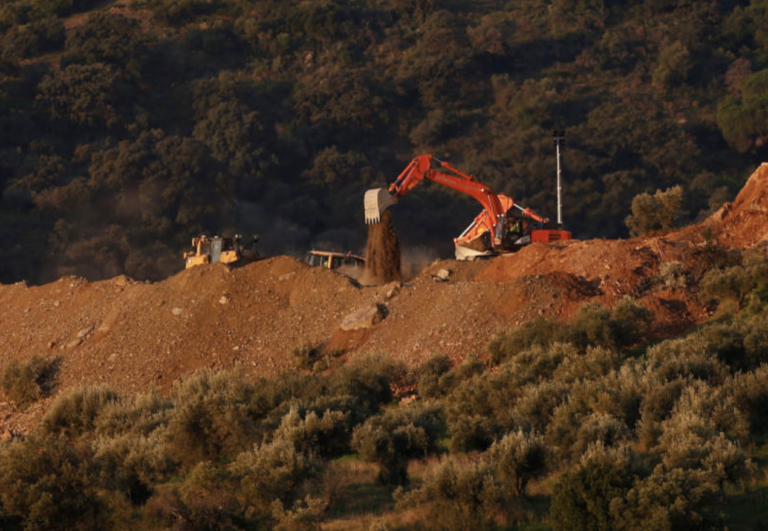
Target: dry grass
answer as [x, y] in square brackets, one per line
[403, 519]
[359, 501]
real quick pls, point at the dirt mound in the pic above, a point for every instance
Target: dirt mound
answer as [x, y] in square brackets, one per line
[743, 223]
[740, 224]
[130, 335]
[382, 254]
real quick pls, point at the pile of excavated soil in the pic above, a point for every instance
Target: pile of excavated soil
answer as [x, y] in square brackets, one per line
[133, 335]
[739, 224]
[382, 254]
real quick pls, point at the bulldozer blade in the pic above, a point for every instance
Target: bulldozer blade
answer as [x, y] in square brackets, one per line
[376, 201]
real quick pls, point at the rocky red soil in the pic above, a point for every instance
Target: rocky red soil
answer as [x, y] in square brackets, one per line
[131, 335]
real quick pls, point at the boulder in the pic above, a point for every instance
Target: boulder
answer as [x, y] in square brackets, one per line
[364, 317]
[442, 275]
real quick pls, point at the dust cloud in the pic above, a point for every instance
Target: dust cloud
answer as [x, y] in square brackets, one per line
[382, 255]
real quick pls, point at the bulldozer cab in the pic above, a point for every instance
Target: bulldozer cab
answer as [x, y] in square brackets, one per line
[217, 249]
[333, 260]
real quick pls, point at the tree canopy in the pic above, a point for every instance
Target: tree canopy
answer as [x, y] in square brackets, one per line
[292, 109]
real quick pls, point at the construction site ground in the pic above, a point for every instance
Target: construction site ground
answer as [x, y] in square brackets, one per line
[131, 335]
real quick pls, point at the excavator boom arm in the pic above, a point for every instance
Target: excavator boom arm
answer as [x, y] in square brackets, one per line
[422, 167]
[495, 207]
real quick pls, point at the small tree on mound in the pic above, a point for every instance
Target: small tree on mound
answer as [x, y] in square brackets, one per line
[660, 211]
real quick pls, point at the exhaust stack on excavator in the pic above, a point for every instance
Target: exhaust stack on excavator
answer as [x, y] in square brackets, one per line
[376, 201]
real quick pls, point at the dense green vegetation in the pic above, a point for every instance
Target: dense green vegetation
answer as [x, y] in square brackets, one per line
[125, 135]
[586, 429]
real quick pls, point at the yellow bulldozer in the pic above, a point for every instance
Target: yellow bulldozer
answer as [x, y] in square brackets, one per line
[334, 260]
[230, 251]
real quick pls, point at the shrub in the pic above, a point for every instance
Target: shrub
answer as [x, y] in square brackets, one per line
[138, 416]
[305, 515]
[601, 428]
[478, 409]
[44, 484]
[691, 441]
[596, 362]
[436, 383]
[533, 410]
[428, 376]
[672, 275]
[581, 498]
[85, 95]
[131, 465]
[738, 281]
[685, 358]
[369, 381]
[657, 405]
[539, 362]
[673, 65]
[398, 435]
[204, 499]
[668, 500]
[595, 325]
[75, 412]
[326, 435]
[107, 38]
[562, 429]
[750, 394]
[518, 458]
[315, 358]
[307, 355]
[25, 382]
[591, 326]
[211, 418]
[472, 433]
[596, 412]
[269, 472]
[506, 345]
[457, 496]
[178, 12]
[716, 406]
[220, 40]
[660, 211]
[630, 322]
[39, 36]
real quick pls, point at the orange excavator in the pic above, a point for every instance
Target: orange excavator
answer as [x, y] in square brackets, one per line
[502, 226]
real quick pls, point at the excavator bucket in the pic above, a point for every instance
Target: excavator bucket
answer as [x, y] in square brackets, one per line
[376, 201]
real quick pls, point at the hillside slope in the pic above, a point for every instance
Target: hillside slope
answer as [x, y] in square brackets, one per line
[131, 335]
